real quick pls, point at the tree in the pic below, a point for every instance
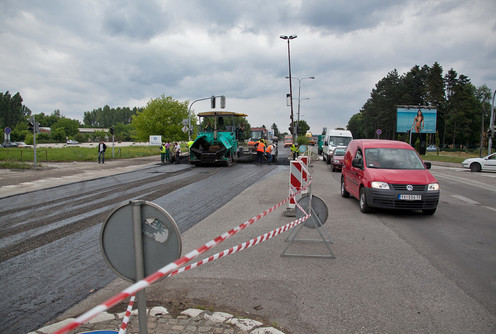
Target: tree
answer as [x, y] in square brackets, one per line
[106, 117]
[355, 125]
[275, 129]
[70, 127]
[162, 116]
[301, 127]
[12, 111]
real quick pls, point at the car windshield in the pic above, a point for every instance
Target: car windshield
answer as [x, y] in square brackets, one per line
[392, 158]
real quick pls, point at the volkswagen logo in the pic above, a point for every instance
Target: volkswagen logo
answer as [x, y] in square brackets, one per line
[409, 187]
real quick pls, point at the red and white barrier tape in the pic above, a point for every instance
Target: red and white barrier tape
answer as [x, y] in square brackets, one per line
[245, 245]
[127, 316]
[164, 271]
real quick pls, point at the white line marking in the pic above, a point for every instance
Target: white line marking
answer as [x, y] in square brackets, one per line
[465, 199]
[465, 181]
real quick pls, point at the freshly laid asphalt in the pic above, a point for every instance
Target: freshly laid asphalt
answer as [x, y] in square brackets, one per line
[376, 284]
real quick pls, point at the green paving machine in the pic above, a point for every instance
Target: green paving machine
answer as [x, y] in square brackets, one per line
[217, 141]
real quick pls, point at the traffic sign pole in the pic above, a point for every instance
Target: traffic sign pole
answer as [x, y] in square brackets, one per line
[34, 139]
[140, 263]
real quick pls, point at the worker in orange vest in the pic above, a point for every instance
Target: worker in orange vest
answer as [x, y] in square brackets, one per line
[260, 151]
[268, 153]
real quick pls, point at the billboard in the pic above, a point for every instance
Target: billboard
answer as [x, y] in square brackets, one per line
[416, 119]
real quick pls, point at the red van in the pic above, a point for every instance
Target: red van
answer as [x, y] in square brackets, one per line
[388, 174]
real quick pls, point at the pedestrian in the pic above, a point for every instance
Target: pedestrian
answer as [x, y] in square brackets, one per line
[167, 152]
[260, 151]
[101, 152]
[177, 148]
[162, 152]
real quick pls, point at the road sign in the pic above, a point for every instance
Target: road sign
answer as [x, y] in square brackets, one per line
[185, 129]
[160, 239]
[7, 130]
[155, 140]
[378, 131]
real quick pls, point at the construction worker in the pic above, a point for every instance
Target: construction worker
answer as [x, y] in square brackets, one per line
[162, 152]
[294, 151]
[190, 143]
[268, 153]
[260, 151]
[167, 152]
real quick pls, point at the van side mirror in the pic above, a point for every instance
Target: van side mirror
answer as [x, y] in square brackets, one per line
[428, 165]
[357, 162]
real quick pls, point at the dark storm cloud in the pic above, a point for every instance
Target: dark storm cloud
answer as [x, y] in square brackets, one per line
[347, 16]
[136, 20]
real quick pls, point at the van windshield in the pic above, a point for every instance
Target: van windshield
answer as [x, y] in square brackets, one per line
[392, 158]
[339, 141]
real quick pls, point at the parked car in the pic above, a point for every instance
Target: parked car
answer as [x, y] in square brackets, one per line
[22, 144]
[337, 158]
[72, 142]
[388, 174]
[431, 148]
[11, 144]
[479, 164]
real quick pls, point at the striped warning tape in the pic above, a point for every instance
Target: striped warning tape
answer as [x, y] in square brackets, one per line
[127, 316]
[245, 245]
[165, 270]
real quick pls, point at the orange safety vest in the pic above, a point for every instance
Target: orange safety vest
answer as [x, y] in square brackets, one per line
[269, 149]
[261, 147]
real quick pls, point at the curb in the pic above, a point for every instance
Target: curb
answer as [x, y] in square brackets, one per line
[160, 321]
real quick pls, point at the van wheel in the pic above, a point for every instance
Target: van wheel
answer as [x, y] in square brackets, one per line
[364, 207]
[344, 193]
[328, 161]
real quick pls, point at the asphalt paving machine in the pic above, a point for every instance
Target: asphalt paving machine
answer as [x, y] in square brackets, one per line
[217, 140]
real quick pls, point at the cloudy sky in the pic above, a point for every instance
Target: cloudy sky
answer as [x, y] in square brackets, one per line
[77, 56]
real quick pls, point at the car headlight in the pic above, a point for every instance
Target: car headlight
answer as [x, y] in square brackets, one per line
[379, 185]
[433, 187]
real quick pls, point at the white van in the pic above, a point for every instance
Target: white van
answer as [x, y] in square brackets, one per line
[333, 139]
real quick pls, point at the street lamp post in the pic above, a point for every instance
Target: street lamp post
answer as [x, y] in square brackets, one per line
[288, 38]
[299, 92]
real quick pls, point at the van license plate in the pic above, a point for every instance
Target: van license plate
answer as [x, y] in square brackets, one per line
[410, 197]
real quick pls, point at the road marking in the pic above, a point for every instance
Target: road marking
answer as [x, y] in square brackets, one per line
[465, 199]
[465, 181]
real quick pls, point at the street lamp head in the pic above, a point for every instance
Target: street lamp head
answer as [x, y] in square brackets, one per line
[288, 37]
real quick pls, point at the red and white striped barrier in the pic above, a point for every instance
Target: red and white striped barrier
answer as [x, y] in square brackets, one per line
[127, 316]
[147, 281]
[305, 176]
[298, 180]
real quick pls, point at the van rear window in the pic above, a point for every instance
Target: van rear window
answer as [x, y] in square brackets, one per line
[339, 141]
[392, 158]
